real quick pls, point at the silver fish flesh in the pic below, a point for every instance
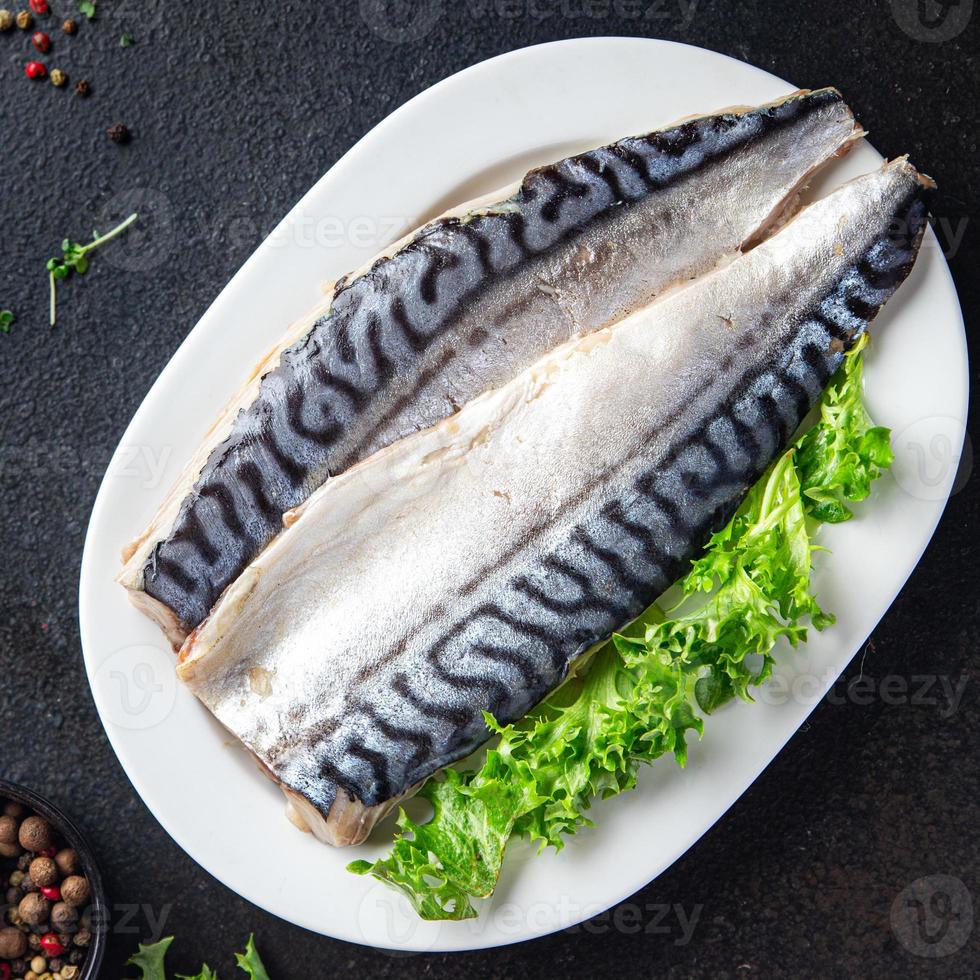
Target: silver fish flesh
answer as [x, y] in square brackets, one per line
[462, 307]
[465, 568]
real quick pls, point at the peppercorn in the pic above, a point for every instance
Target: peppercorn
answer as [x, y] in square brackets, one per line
[34, 941]
[13, 895]
[8, 829]
[9, 850]
[69, 972]
[51, 945]
[13, 943]
[6, 21]
[44, 872]
[19, 967]
[24, 861]
[35, 831]
[41, 41]
[13, 809]
[54, 965]
[82, 938]
[118, 133]
[69, 26]
[38, 6]
[24, 20]
[75, 890]
[58, 78]
[64, 918]
[17, 877]
[67, 858]
[34, 909]
[39, 964]
[83, 88]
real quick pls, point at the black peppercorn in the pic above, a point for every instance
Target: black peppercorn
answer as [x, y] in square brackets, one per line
[118, 133]
[82, 88]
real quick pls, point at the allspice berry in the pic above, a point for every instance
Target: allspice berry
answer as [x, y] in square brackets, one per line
[13, 943]
[24, 20]
[67, 862]
[6, 21]
[75, 890]
[34, 908]
[44, 872]
[64, 918]
[35, 834]
[69, 26]
[10, 850]
[13, 809]
[8, 830]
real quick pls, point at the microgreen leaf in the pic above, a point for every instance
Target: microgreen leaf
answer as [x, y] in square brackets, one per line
[6, 319]
[87, 7]
[75, 258]
[127, 41]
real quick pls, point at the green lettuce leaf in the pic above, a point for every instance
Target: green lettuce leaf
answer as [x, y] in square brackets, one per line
[149, 959]
[840, 457]
[206, 974]
[640, 692]
[250, 961]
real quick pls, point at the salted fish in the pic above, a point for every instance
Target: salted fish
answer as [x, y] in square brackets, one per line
[460, 308]
[465, 568]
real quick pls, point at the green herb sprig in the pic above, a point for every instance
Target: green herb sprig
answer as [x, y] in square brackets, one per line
[75, 258]
[149, 960]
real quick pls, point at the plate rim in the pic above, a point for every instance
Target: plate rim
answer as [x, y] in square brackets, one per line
[629, 884]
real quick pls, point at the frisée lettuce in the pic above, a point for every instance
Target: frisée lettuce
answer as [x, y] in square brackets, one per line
[643, 691]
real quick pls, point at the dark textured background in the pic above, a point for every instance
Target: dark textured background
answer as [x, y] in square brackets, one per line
[237, 108]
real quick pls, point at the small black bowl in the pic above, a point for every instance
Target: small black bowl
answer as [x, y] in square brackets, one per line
[99, 907]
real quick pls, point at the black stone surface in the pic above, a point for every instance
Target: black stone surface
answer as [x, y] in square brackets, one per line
[236, 109]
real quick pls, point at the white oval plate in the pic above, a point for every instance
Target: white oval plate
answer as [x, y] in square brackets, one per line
[467, 135]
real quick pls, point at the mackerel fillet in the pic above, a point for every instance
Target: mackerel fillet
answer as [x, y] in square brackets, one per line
[461, 308]
[465, 568]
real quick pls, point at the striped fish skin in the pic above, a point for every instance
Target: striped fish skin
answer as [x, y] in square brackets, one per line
[465, 568]
[469, 303]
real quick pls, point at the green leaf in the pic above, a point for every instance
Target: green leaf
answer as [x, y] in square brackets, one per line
[6, 319]
[639, 697]
[149, 959]
[250, 962]
[206, 974]
[87, 7]
[126, 41]
[841, 456]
